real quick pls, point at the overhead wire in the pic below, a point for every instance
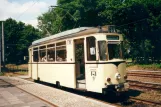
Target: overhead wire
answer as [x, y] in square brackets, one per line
[67, 12]
[27, 9]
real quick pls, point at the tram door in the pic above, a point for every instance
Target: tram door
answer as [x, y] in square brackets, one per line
[93, 75]
[80, 64]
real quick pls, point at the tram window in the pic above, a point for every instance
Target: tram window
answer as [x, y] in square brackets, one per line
[51, 52]
[35, 55]
[51, 46]
[102, 50]
[115, 51]
[42, 47]
[42, 52]
[61, 51]
[91, 49]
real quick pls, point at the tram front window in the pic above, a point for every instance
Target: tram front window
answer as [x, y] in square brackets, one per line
[110, 50]
[102, 50]
[115, 50]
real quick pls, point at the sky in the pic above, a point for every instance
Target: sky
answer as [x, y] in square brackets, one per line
[26, 11]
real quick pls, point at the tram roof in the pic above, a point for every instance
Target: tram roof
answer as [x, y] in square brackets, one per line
[75, 32]
[62, 34]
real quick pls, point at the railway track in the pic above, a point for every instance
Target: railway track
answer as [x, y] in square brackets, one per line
[103, 99]
[145, 75]
[144, 85]
[145, 101]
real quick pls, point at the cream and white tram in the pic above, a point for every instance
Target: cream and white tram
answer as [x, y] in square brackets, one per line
[85, 58]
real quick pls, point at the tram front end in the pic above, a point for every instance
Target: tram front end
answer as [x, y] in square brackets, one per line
[113, 65]
[115, 77]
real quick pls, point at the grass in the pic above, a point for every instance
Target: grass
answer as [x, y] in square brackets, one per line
[154, 66]
[21, 73]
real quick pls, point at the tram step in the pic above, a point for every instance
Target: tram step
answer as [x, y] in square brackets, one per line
[80, 85]
[81, 81]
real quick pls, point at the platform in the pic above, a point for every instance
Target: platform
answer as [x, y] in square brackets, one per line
[55, 96]
[11, 96]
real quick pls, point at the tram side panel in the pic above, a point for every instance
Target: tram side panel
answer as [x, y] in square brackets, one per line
[30, 63]
[94, 75]
[63, 73]
[34, 71]
[29, 69]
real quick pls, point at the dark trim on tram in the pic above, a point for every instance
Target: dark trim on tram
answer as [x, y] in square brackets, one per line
[116, 63]
[51, 63]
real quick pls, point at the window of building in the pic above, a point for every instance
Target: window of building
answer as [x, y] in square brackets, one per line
[91, 48]
[51, 52]
[35, 55]
[61, 51]
[42, 53]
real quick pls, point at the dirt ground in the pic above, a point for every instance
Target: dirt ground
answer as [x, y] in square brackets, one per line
[15, 73]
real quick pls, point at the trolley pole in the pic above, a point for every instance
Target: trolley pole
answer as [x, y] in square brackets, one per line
[3, 55]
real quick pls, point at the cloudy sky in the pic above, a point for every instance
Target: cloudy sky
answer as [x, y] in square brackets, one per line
[26, 11]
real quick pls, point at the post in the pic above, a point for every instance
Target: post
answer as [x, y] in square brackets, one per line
[3, 55]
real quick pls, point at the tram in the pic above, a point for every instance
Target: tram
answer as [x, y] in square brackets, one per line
[86, 58]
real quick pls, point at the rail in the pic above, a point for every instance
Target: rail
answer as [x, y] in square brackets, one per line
[145, 75]
[144, 85]
[145, 101]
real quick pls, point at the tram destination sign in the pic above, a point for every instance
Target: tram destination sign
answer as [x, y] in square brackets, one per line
[112, 37]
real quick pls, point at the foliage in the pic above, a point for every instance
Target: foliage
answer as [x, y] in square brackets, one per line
[18, 37]
[139, 21]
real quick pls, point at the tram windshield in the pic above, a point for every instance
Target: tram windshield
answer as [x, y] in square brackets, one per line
[102, 50]
[110, 50]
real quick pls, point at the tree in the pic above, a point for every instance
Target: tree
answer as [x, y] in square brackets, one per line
[139, 21]
[18, 37]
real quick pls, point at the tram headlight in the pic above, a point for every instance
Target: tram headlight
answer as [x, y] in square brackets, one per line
[118, 76]
[108, 79]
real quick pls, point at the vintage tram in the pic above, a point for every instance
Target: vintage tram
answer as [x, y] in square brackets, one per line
[86, 58]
